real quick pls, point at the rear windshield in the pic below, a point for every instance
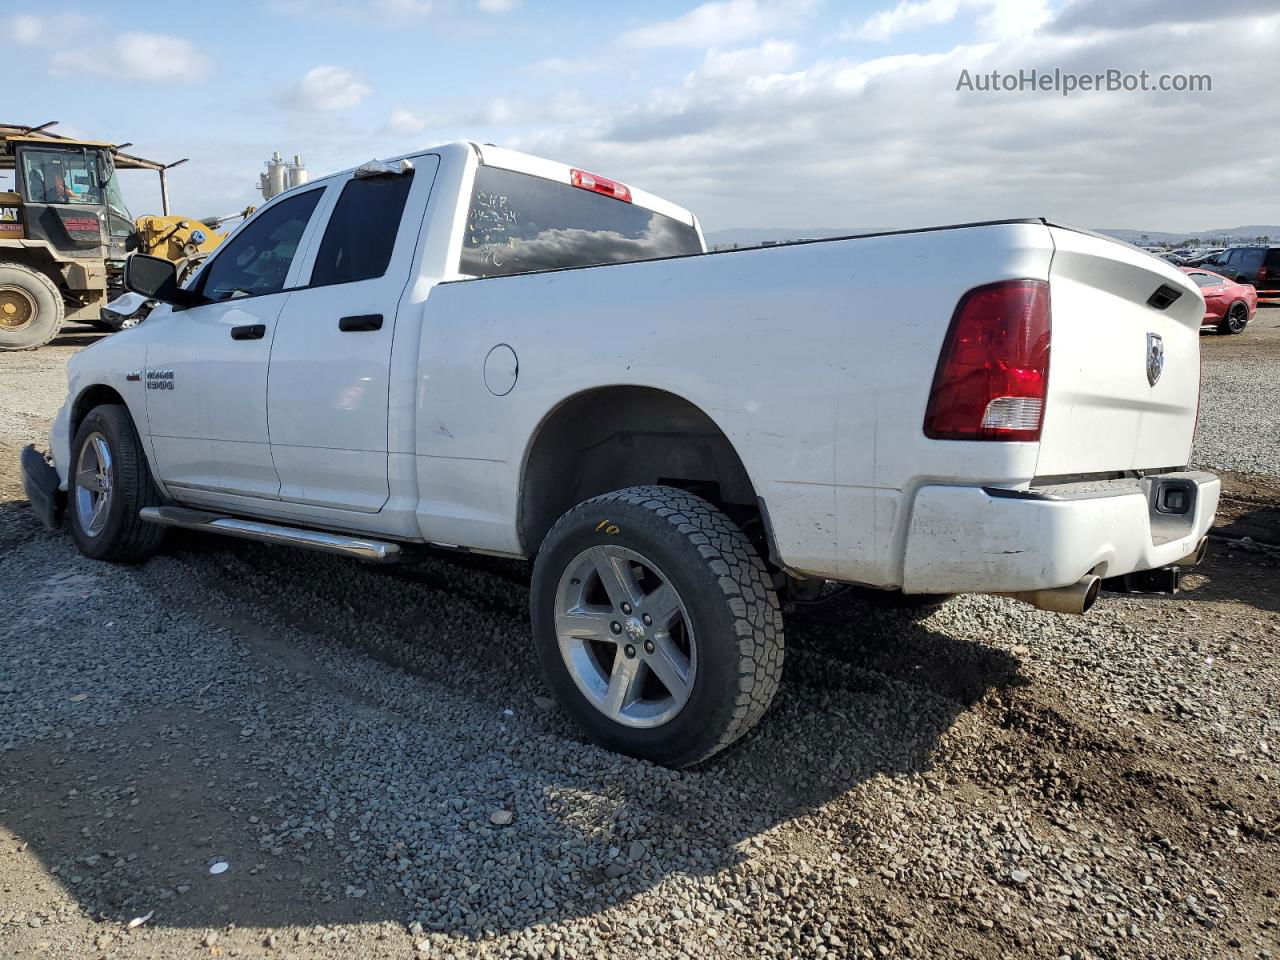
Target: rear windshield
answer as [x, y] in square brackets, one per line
[1273, 258]
[519, 223]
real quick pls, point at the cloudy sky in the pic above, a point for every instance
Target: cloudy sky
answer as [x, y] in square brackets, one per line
[753, 113]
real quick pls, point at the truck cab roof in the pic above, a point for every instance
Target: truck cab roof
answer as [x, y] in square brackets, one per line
[488, 154]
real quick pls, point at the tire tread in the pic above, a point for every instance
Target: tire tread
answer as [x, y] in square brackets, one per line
[40, 279]
[747, 590]
[135, 539]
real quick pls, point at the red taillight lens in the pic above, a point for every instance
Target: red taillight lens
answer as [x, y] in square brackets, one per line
[610, 188]
[1262, 274]
[993, 373]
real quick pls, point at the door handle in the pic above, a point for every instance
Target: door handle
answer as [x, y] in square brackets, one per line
[250, 331]
[363, 321]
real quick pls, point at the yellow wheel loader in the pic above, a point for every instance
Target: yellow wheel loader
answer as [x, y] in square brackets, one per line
[65, 233]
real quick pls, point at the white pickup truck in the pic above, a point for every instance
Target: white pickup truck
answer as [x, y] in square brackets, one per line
[478, 349]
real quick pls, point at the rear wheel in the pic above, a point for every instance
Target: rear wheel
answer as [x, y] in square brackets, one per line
[109, 483]
[1236, 318]
[31, 308]
[656, 624]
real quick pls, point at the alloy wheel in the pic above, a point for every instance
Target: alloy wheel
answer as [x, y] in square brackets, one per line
[625, 636]
[93, 484]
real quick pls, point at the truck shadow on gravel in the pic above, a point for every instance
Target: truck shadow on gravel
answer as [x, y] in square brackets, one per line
[347, 732]
[1237, 573]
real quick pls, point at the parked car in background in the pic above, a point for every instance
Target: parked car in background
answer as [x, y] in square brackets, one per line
[1228, 305]
[1256, 264]
[1203, 257]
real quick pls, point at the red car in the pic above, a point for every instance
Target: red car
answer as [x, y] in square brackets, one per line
[1228, 305]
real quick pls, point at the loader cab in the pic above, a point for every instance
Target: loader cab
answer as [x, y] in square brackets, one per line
[68, 194]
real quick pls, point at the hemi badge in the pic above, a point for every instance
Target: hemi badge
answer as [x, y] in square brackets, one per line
[133, 375]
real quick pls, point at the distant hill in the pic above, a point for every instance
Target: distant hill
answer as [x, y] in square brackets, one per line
[750, 237]
[1249, 232]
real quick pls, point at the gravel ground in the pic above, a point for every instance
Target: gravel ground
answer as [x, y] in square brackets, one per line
[372, 755]
[1240, 406]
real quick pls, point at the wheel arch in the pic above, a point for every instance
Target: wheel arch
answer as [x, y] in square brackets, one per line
[603, 439]
[92, 396]
[1238, 303]
[36, 255]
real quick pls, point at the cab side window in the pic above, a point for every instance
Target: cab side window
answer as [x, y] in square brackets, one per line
[257, 259]
[362, 230]
[1250, 260]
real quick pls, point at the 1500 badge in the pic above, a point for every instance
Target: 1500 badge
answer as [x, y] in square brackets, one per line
[159, 379]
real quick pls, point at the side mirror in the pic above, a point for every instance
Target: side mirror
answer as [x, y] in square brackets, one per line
[156, 279]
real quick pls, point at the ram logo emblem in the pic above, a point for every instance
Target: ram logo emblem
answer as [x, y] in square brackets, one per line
[1155, 357]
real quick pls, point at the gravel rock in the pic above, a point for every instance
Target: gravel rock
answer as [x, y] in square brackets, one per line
[1239, 425]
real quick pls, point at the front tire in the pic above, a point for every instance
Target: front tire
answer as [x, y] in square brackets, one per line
[109, 483]
[31, 308]
[1235, 319]
[656, 624]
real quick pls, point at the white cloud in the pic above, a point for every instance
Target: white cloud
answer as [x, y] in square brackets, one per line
[496, 6]
[998, 18]
[326, 88]
[402, 122]
[406, 8]
[889, 142]
[26, 29]
[159, 58]
[1011, 19]
[144, 57]
[1108, 15]
[718, 23]
[362, 10]
[906, 15]
[772, 56]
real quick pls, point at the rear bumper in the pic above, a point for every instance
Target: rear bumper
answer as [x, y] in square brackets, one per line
[992, 540]
[40, 481]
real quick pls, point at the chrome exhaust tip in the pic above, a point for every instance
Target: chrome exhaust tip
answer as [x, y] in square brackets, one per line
[1193, 558]
[1077, 598]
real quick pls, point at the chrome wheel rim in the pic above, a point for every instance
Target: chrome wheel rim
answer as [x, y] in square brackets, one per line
[1237, 318]
[93, 484]
[625, 636]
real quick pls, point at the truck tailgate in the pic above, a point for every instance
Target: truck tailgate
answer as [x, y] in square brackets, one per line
[1114, 333]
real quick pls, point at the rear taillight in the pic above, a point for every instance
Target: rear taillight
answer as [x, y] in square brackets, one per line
[1262, 274]
[993, 373]
[610, 188]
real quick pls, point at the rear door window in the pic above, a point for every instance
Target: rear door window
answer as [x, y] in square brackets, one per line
[518, 223]
[361, 232]
[256, 260]
[1249, 260]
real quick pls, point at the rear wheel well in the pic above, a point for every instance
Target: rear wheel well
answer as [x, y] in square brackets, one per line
[94, 396]
[617, 437]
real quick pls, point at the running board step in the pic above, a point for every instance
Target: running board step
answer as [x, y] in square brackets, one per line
[341, 544]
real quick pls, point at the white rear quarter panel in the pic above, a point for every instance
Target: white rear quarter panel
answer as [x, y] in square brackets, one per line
[815, 360]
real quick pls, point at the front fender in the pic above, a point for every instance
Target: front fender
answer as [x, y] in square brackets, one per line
[110, 370]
